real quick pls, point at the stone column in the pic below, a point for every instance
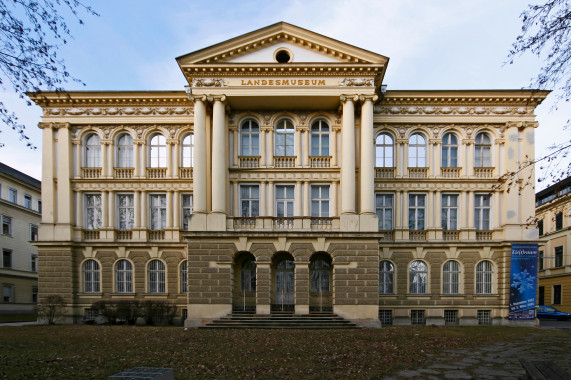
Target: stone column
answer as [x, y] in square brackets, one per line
[176, 210]
[306, 199]
[104, 159]
[302, 282]
[367, 168]
[263, 200]
[348, 156]
[306, 148]
[263, 287]
[78, 201]
[298, 199]
[298, 132]
[64, 195]
[137, 205]
[333, 145]
[333, 199]
[270, 158]
[111, 162]
[176, 158]
[236, 135]
[271, 201]
[111, 202]
[263, 147]
[219, 163]
[48, 163]
[236, 199]
[199, 170]
[144, 221]
[169, 210]
[77, 163]
[137, 158]
[104, 209]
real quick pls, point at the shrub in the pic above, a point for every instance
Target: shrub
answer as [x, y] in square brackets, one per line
[51, 309]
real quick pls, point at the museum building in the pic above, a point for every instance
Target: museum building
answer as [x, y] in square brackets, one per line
[286, 178]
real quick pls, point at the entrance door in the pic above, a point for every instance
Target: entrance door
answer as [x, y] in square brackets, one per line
[320, 297]
[284, 286]
[245, 292]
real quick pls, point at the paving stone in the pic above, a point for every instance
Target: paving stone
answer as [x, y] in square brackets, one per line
[457, 375]
[408, 373]
[428, 371]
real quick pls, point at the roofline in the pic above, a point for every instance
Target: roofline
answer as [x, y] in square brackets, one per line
[23, 177]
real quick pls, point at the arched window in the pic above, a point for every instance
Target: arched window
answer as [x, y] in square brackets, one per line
[482, 151]
[284, 139]
[91, 276]
[320, 138]
[418, 277]
[184, 277]
[386, 277]
[92, 151]
[158, 151]
[417, 151]
[451, 277]
[157, 275]
[484, 277]
[125, 151]
[384, 151]
[188, 151]
[320, 276]
[249, 138]
[449, 151]
[248, 276]
[124, 276]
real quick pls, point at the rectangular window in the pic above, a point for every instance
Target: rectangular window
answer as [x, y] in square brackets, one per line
[27, 201]
[540, 227]
[558, 221]
[386, 317]
[158, 211]
[384, 209]
[34, 263]
[13, 195]
[125, 212]
[6, 258]
[449, 212]
[186, 210]
[8, 293]
[482, 212]
[485, 317]
[450, 317]
[92, 211]
[33, 232]
[416, 210]
[284, 201]
[89, 314]
[249, 201]
[6, 225]
[35, 294]
[557, 294]
[558, 256]
[417, 317]
[320, 201]
[39, 206]
[541, 295]
[540, 264]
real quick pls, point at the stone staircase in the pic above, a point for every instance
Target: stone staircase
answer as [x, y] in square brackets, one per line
[281, 320]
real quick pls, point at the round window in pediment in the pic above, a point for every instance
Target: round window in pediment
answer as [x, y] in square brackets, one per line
[282, 56]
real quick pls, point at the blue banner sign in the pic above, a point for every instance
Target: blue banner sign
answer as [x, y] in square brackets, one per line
[523, 281]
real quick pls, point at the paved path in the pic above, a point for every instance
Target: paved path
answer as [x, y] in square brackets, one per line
[498, 361]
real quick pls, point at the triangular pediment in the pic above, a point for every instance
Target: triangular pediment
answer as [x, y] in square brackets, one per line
[262, 45]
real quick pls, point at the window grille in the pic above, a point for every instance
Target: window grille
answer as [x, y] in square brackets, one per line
[484, 317]
[418, 277]
[386, 317]
[156, 272]
[450, 317]
[484, 277]
[91, 277]
[417, 317]
[451, 277]
[386, 277]
[124, 276]
[183, 277]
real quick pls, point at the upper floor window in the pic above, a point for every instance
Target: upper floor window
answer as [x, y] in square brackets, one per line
[158, 211]
[482, 212]
[183, 277]
[13, 195]
[188, 151]
[484, 277]
[92, 211]
[416, 211]
[284, 139]
[386, 277]
[158, 151]
[482, 152]
[559, 256]
[6, 258]
[123, 276]
[558, 221]
[284, 201]
[451, 277]
[125, 211]
[92, 152]
[320, 201]
[34, 263]
[33, 232]
[249, 138]
[39, 206]
[540, 259]
[6, 225]
[27, 201]
[125, 151]
[249, 201]
[449, 151]
[186, 210]
[384, 151]
[449, 212]
[417, 151]
[384, 210]
[418, 277]
[91, 276]
[320, 138]
[157, 276]
[540, 226]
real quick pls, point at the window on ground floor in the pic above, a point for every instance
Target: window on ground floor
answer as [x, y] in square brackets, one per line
[91, 276]
[557, 294]
[484, 317]
[450, 317]
[386, 317]
[417, 317]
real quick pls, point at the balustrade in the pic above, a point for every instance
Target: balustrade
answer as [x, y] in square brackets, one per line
[249, 162]
[124, 173]
[90, 234]
[320, 161]
[185, 173]
[417, 172]
[483, 172]
[90, 173]
[284, 161]
[450, 172]
[156, 173]
[384, 172]
[483, 235]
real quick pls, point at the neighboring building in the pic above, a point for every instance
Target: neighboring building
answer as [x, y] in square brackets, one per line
[285, 178]
[553, 213]
[20, 214]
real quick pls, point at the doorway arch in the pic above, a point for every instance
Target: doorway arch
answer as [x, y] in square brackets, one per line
[283, 296]
[321, 284]
[244, 297]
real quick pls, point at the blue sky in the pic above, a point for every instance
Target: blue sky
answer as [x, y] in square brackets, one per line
[437, 44]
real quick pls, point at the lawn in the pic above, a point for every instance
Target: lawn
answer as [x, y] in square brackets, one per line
[6, 318]
[96, 352]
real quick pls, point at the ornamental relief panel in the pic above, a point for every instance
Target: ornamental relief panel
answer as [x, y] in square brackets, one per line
[120, 111]
[430, 110]
[209, 82]
[137, 130]
[436, 130]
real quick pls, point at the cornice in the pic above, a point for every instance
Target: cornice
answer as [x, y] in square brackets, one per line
[108, 99]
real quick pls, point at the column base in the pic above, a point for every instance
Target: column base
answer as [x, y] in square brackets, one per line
[368, 223]
[349, 222]
[197, 222]
[216, 222]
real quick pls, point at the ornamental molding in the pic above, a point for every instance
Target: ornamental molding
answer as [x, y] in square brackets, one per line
[120, 111]
[132, 185]
[208, 82]
[445, 110]
[436, 130]
[357, 82]
[136, 130]
[290, 70]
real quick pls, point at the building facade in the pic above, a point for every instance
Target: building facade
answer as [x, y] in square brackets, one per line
[286, 179]
[20, 209]
[553, 211]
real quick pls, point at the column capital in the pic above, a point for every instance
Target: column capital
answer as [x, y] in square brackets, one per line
[197, 98]
[214, 98]
[44, 125]
[172, 141]
[349, 98]
[372, 98]
[60, 125]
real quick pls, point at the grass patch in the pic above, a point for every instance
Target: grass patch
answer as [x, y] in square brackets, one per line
[96, 352]
[7, 318]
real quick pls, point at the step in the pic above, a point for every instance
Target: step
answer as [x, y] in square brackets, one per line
[282, 320]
